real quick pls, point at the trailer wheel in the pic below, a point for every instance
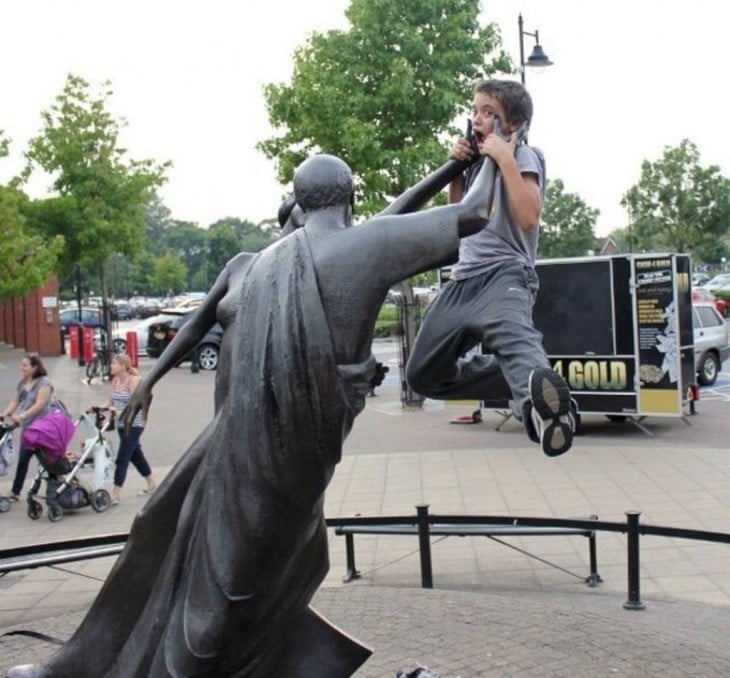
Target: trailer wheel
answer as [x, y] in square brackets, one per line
[708, 368]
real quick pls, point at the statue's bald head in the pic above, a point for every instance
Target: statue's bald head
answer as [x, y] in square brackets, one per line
[323, 181]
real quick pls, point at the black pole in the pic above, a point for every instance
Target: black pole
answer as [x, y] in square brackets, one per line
[424, 546]
[522, 50]
[632, 541]
[80, 327]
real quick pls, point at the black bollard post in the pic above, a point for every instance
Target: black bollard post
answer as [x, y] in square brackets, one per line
[632, 541]
[195, 361]
[424, 545]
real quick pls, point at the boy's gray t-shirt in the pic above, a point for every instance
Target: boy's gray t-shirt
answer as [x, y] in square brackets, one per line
[501, 239]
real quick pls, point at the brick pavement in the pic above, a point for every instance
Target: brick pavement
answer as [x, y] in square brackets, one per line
[494, 609]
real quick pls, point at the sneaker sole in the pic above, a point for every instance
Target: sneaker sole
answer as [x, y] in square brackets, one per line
[551, 400]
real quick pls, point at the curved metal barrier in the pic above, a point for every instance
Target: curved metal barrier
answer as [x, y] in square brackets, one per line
[422, 524]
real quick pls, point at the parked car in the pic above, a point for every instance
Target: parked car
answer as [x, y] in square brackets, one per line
[712, 342]
[69, 317]
[161, 332]
[141, 328]
[122, 310]
[699, 278]
[703, 294]
[148, 308]
[719, 282]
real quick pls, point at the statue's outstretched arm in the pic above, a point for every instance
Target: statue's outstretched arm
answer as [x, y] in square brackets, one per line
[201, 320]
[417, 196]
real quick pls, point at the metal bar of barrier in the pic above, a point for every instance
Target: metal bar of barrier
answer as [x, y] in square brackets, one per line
[632, 542]
[58, 558]
[424, 546]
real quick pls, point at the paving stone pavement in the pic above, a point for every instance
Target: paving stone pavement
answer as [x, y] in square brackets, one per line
[459, 634]
[495, 610]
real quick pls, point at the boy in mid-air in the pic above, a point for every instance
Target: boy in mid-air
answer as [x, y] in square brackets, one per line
[489, 299]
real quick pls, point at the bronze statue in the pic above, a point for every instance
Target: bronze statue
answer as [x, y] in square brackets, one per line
[222, 562]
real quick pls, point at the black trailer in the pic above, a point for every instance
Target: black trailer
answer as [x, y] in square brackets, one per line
[619, 330]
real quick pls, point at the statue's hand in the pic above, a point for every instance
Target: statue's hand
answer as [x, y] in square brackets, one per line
[140, 400]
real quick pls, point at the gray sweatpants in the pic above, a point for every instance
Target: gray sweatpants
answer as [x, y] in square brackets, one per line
[494, 308]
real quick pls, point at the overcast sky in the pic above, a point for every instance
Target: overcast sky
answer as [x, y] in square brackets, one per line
[629, 78]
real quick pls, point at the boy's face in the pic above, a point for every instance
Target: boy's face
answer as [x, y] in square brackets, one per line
[485, 108]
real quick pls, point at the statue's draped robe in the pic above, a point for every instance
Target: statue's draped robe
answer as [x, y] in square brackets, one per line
[236, 571]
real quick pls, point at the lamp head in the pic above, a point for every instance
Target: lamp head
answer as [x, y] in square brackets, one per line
[538, 58]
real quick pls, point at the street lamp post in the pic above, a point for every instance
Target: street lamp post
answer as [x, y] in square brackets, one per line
[538, 58]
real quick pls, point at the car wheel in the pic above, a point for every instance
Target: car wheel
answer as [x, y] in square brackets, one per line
[120, 346]
[708, 367]
[208, 357]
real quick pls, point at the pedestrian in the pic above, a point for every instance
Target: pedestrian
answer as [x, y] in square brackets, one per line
[124, 381]
[31, 401]
[494, 284]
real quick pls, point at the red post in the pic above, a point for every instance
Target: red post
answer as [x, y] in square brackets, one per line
[132, 348]
[73, 336]
[88, 343]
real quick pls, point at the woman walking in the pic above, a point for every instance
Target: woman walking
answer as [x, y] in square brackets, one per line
[124, 380]
[32, 400]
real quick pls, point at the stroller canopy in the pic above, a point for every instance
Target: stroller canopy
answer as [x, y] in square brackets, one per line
[52, 433]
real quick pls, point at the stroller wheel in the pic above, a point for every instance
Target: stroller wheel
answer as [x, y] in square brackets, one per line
[100, 501]
[35, 509]
[55, 513]
[4, 504]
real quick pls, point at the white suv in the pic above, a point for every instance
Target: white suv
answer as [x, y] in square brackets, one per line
[712, 342]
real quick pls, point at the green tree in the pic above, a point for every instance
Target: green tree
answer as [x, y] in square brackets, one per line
[383, 94]
[102, 194]
[252, 237]
[170, 274]
[679, 205]
[567, 224]
[141, 272]
[27, 258]
[223, 243]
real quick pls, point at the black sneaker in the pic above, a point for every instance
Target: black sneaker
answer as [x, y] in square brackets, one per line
[551, 414]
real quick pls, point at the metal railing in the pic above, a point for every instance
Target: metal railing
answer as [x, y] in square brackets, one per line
[426, 524]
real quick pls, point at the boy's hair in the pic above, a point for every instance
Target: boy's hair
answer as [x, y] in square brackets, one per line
[514, 98]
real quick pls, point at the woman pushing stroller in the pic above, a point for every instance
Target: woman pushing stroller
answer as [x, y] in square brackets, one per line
[124, 381]
[31, 401]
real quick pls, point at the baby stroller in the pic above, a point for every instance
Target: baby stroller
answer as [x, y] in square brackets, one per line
[7, 454]
[65, 487]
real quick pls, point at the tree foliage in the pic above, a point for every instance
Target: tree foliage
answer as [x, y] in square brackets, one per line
[679, 205]
[27, 258]
[101, 195]
[169, 275]
[383, 94]
[567, 227]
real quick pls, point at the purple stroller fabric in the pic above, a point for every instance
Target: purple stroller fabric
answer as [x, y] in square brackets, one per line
[51, 433]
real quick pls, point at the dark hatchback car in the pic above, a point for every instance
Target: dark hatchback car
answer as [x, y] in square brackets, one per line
[167, 325]
[90, 316]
